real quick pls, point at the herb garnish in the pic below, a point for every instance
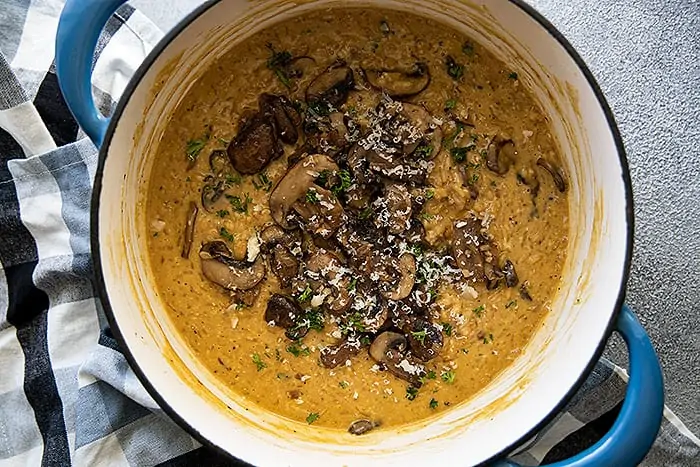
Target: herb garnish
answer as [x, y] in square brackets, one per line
[226, 235]
[312, 417]
[459, 154]
[419, 335]
[353, 283]
[479, 311]
[305, 295]
[194, 147]
[411, 393]
[278, 63]
[222, 213]
[450, 104]
[512, 303]
[345, 182]
[447, 329]
[366, 213]
[238, 204]
[429, 194]
[263, 182]
[344, 384]
[488, 339]
[513, 75]
[311, 196]
[448, 376]
[258, 362]
[433, 404]
[454, 69]
[468, 48]
[298, 350]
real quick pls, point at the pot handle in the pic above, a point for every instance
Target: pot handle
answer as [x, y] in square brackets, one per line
[79, 29]
[637, 425]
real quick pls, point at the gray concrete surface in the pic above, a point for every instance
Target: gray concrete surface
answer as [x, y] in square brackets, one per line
[646, 57]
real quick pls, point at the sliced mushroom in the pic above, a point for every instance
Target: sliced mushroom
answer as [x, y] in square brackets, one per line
[300, 66]
[528, 176]
[396, 168]
[284, 265]
[212, 192]
[218, 161]
[282, 311]
[509, 273]
[424, 338]
[294, 185]
[362, 426]
[492, 274]
[274, 234]
[328, 267]
[338, 354]
[285, 117]
[397, 208]
[399, 83]
[255, 145]
[500, 155]
[407, 268]
[219, 266]
[421, 120]
[188, 233]
[388, 348]
[557, 174]
[332, 86]
[466, 243]
[321, 213]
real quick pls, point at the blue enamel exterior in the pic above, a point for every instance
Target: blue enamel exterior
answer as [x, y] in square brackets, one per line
[637, 425]
[78, 31]
[636, 428]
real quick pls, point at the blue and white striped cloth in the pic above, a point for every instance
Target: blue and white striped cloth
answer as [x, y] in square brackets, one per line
[67, 394]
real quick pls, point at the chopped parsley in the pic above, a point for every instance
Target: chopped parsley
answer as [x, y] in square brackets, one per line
[345, 182]
[417, 249]
[513, 75]
[447, 328]
[411, 393]
[312, 417]
[352, 285]
[223, 141]
[427, 216]
[512, 303]
[459, 154]
[429, 375]
[344, 384]
[260, 365]
[311, 196]
[473, 179]
[479, 311]
[298, 350]
[226, 235]
[194, 147]
[230, 180]
[450, 104]
[454, 69]
[263, 182]
[424, 150]
[366, 213]
[365, 340]
[322, 178]
[305, 295]
[238, 204]
[448, 376]
[433, 404]
[468, 48]
[278, 63]
[222, 213]
[419, 335]
[488, 339]
[429, 194]
[313, 319]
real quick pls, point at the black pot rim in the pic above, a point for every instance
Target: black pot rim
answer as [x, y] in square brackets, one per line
[97, 188]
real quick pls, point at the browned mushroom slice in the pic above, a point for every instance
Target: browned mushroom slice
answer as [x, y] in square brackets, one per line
[273, 235]
[396, 168]
[500, 155]
[218, 161]
[301, 66]
[282, 311]
[284, 265]
[219, 266]
[212, 193]
[338, 354]
[424, 338]
[407, 268]
[255, 145]
[295, 184]
[397, 209]
[362, 426]
[399, 83]
[416, 232]
[389, 349]
[421, 120]
[557, 174]
[188, 233]
[332, 86]
[328, 267]
[320, 211]
[466, 247]
[284, 115]
[509, 273]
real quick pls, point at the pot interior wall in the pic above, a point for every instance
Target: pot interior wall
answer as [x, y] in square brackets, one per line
[507, 409]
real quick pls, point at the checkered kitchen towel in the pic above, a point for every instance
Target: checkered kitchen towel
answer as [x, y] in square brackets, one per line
[67, 395]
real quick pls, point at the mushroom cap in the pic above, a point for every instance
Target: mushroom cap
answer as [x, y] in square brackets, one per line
[399, 83]
[294, 185]
[407, 268]
[384, 342]
[219, 266]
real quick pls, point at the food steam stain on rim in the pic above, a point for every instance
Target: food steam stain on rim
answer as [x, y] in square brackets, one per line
[168, 351]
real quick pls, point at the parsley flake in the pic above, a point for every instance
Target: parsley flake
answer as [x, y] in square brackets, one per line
[194, 147]
[311, 196]
[419, 335]
[344, 384]
[433, 404]
[447, 329]
[450, 104]
[513, 75]
[222, 213]
[479, 311]
[454, 69]
[411, 393]
[226, 235]
[312, 417]
[305, 295]
[448, 376]
[298, 350]
[260, 365]
[238, 204]
[263, 182]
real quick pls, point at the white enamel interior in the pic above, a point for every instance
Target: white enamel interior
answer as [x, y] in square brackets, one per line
[473, 432]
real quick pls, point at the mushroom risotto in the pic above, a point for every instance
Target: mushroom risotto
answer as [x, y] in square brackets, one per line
[358, 218]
